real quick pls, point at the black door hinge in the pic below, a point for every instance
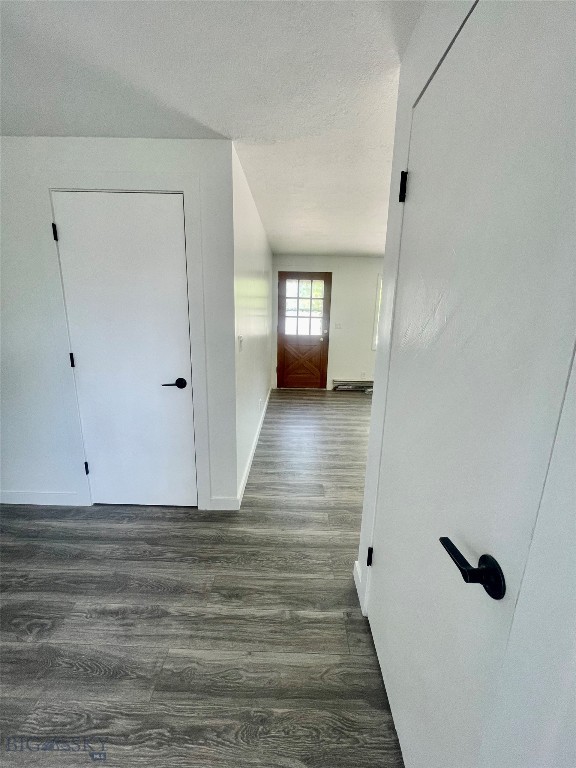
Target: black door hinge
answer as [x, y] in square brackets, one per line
[370, 553]
[54, 231]
[86, 468]
[72, 362]
[403, 183]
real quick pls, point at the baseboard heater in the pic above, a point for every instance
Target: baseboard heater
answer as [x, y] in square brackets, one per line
[343, 385]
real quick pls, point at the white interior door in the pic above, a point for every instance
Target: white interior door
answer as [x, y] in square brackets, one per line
[123, 262]
[482, 342]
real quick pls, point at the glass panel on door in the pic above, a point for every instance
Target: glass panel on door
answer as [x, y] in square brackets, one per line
[304, 310]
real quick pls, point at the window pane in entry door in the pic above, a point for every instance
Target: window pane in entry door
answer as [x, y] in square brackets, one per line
[303, 326]
[292, 288]
[291, 307]
[316, 326]
[317, 307]
[318, 289]
[304, 307]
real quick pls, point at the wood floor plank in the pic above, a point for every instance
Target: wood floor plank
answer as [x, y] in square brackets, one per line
[85, 672]
[296, 593]
[265, 677]
[348, 735]
[305, 560]
[358, 633]
[170, 625]
[152, 581]
[286, 488]
[348, 518]
[192, 537]
[25, 620]
[13, 712]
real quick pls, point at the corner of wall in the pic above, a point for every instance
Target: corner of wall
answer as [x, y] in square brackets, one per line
[252, 320]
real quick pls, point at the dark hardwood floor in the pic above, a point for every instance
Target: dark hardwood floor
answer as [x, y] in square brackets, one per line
[168, 637]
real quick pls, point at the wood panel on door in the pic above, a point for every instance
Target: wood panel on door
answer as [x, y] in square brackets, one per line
[303, 328]
[123, 261]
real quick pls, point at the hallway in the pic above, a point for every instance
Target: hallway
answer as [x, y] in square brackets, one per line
[203, 639]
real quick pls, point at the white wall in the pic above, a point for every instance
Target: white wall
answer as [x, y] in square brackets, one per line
[42, 459]
[354, 286]
[433, 33]
[253, 314]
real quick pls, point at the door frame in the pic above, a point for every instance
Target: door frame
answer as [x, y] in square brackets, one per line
[52, 191]
[296, 275]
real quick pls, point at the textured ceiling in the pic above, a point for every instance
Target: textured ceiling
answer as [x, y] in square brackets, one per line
[307, 90]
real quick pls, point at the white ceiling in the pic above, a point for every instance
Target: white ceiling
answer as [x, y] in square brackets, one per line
[307, 90]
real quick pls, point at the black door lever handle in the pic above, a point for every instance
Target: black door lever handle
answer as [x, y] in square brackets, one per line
[180, 383]
[488, 573]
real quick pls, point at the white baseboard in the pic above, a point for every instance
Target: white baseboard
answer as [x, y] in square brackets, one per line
[244, 480]
[46, 498]
[222, 504]
[360, 587]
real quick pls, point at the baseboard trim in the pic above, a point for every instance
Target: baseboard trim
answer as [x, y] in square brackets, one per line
[360, 588]
[244, 480]
[222, 504]
[46, 498]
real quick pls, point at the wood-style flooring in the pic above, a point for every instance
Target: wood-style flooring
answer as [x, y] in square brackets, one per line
[171, 637]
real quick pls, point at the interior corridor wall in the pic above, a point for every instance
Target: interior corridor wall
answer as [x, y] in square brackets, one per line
[253, 320]
[42, 457]
[354, 290]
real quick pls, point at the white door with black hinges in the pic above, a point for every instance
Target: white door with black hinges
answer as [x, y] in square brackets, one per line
[124, 274]
[482, 342]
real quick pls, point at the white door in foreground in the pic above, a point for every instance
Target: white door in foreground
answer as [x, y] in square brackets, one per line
[482, 342]
[123, 262]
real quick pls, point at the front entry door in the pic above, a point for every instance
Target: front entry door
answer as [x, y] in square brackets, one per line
[123, 262]
[481, 348]
[303, 327]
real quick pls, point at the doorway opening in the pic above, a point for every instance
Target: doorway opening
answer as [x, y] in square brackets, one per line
[303, 329]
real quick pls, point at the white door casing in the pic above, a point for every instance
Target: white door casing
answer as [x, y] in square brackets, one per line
[481, 348]
[123, 263]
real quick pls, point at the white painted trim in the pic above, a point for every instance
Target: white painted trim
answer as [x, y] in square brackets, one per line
[360, 588]
[200, 372]
[222, 504]
[46, 498]
[377, 310]
[244, 480]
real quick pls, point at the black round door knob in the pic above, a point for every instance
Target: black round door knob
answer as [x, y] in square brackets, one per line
[180, 383]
